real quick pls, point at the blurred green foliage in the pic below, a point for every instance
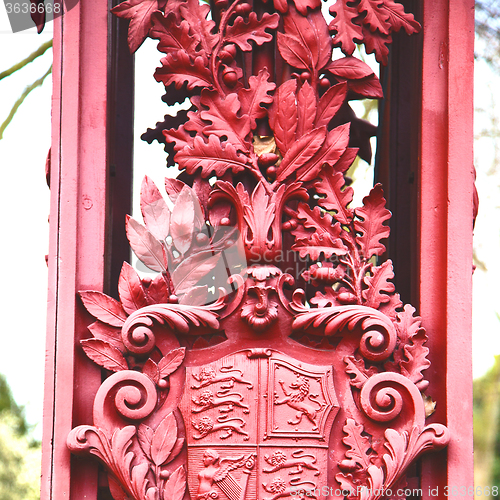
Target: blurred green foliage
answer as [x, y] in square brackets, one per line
[19, 452]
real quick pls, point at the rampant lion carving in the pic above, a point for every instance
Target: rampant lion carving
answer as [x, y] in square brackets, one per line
[297, 399]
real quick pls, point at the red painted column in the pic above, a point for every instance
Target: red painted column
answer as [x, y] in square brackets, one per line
[445, 233]
[77, 239]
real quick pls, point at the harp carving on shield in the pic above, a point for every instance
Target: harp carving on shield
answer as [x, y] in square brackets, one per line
[270, 355]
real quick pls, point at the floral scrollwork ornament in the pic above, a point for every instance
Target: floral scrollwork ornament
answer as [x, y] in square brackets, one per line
[269, 354]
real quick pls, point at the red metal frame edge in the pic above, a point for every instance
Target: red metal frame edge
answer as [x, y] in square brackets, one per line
[445, 232]
[77, 229]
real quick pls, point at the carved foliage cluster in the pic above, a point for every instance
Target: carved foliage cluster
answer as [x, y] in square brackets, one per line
[263, 152]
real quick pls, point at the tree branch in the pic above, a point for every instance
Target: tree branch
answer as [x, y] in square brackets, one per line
[27, 90]
[38, 52]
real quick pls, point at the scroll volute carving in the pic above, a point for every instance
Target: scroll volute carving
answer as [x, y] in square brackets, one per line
[225, 380]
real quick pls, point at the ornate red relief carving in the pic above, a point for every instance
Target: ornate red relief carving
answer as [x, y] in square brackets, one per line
[230, 376]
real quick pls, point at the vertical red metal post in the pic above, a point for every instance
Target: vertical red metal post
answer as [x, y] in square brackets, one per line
[77, 237]
[445, 232]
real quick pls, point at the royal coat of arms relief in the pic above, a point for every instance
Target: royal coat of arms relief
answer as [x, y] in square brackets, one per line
[231, 373]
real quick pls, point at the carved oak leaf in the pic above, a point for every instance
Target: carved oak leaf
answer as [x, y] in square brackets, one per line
[242, 32]
[104, 308]
[391, 307]
[175, 487]
[370, 223]
[195, 13]
[164, 439]
[328, 299]
[179, 68]
[305, 43]
[357, 368]
[175, 140]
[330, 103]
[157, 292]
[411, 357]
[182, 221]
[336, 199]
[407, 324]
[253, 98]
[360, 452]
[171, 35]
[139, 12]
[379, 285]
[108, 333]
[303, 5]
[216, 157]
[344, 27]
[326, 235]
[378, 44]
[147, 248]
[155, 211]
[330, 152]
[171, 361]
[130, 289]
[376, 18]
[306, 107]
[104, 354]
[416, 354]
[300, 152]
[320, 243]
[283, 115]
[224, 119]
[398, 18]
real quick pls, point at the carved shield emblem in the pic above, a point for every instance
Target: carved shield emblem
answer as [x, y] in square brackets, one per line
[257, 426]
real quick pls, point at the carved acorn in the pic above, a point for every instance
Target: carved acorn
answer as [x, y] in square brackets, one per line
[267, 159]
[243, 9]
[229, 77]
[228, 53]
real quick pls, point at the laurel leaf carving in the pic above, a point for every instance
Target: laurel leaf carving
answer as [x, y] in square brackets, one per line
[147, 248]
[104, 354]
[130, 289]
[175, 487]
[155, 211]
[283, 115]
[164, 439]
[104, 308]
[171, 361]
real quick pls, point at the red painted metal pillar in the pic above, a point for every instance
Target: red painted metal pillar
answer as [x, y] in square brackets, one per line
[445, 232]
[77, 238]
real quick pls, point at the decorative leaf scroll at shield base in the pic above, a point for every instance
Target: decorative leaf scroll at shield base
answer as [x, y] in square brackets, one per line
[270, 356]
